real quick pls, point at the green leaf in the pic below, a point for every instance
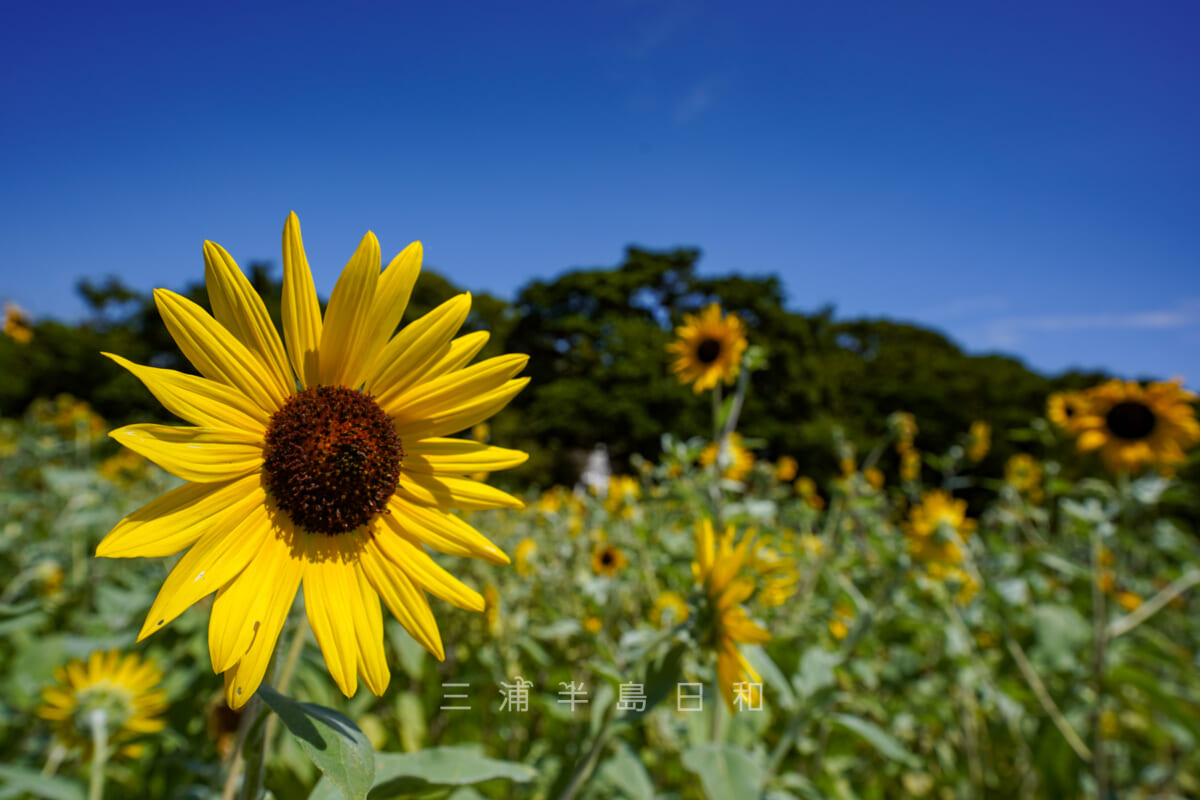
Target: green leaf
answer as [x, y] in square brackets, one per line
[18, 782]
[331, 740]
[412, 654]
[771, 674]
[884, 743]
[661, 677]
[1061, 631]
[816, 671]
[402, 774]
[725, 771]
[625, 771]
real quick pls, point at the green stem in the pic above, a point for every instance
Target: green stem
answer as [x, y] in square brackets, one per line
[583, 771]
[98, 722]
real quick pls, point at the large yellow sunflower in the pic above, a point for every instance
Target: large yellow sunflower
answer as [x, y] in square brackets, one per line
[322, 465]
[122, 689]
[935, 528]
[1135, 427]
[725, 624]
[709, 348]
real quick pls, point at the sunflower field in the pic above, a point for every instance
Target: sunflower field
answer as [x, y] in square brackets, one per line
[309, 585]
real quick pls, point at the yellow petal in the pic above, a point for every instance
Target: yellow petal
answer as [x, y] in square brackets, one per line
[178, 518]
[406, 602]
[204, 455]
[447, 392]
[301, 309]
[460, 493]
[215, 353]
[212, 562]
[459, 417]
[1090, 440]
[409, 353]
[199, 400]
[345, 336]
[368, 634]
[391, 299]
[458, 457]
[461, 351]
[407, 553]
[244, 608]
[328, 584]
[243, 679]
[238, 307]
[441, 531]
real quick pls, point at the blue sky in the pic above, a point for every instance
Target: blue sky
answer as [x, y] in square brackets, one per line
[1023, 177]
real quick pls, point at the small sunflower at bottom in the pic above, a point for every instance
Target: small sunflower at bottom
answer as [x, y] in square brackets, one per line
[119, 692]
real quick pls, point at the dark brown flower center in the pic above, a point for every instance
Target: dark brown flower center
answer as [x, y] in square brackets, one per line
[708, 351]
[1130, 420]
[607, 558]
[332, 459]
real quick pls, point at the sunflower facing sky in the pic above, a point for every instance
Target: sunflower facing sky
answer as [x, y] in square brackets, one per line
[709, 348]
[1135, 427]
[724, 622]
[318, 460]
[125, 689]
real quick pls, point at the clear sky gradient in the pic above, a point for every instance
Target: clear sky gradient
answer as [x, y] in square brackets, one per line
[1024, 177]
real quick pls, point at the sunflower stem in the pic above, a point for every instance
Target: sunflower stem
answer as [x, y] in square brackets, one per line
[285, 676]
[98, 722]
[1099, 645]
[585, 768]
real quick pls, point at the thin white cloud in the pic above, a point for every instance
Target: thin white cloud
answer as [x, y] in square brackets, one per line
[1010, 331]
[699, 98]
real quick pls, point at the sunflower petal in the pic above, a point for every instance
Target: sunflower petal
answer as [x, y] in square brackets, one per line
[328, 587]
[243, 678]
[458, 456]
[461, 493]
[244, 606]
[368, 633]
[178, 518]
[391, 299]
[461, 351]
[213, 561]
[406, 552]
[301, 309]
[215, 352]
[345, 336]
[199, 400]
[441, 531]
[407, 603]
[238, 307]
[455, 418]
[204, 455]
[404, 359]
[448, 391]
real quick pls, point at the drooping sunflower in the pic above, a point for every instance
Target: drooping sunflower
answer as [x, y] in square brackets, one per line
[1065, 409]
[723, 622]
[708, 348]
[323, 464]
[122, 689]
[979, 440]
[1135, 427]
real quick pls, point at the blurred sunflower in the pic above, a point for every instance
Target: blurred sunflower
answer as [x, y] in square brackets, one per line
[723, 622]
[935, 528]
[16, 324]
[806, 488]
[670, 608]
[1023, 472]
[709, 348]
[903, 426]
[785, 469]
[738, 461]
[910, 465]
[525, 550]
[1135, 427]
[608, 560]
[979, 440]
[121, 689]
[1065, 409]
[321, 465]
